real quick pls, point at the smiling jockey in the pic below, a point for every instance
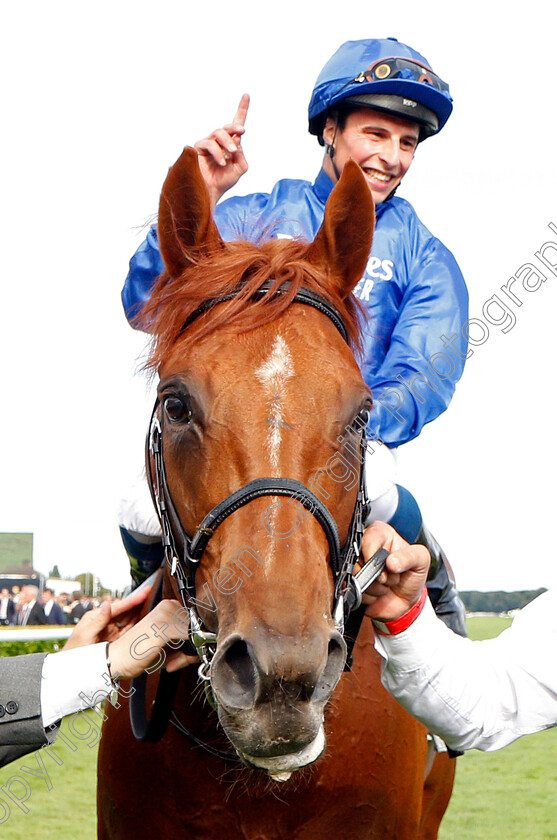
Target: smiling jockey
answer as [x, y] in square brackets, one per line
[374, 102]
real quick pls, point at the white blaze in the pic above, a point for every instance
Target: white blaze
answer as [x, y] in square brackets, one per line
[274, 374]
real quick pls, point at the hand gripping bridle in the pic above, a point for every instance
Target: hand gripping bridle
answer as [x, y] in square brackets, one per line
[183, 552]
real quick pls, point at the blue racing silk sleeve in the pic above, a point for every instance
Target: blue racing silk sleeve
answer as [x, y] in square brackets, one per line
[145, 266]
[415, 379]
[235, 220]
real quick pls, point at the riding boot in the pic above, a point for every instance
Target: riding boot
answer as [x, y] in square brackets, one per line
[441, 585]
[145, 554]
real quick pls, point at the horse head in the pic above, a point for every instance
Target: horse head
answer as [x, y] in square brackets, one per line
[254, 386]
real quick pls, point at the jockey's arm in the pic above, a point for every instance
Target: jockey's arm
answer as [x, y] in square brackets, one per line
[222, 163]
[427, 350]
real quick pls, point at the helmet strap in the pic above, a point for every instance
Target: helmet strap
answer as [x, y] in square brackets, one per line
[330, 151]
[335, 170]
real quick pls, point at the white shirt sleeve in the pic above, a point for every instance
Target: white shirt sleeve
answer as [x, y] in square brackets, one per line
[73, 680]
[481, 695]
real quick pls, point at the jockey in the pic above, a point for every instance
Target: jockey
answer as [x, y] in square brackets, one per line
[374, 102]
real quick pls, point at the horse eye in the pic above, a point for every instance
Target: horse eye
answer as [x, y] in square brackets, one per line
[177, 410]
[360, 421]
[363, 415]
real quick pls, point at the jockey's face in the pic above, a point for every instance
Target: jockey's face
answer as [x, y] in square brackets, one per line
[382, 145]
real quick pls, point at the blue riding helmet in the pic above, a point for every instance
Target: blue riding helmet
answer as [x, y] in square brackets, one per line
[383, 74]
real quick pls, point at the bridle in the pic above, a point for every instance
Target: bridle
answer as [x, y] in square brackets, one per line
[183, 552]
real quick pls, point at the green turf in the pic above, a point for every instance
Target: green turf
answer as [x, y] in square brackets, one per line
[507, 795]
[68, 810]
[486, 627]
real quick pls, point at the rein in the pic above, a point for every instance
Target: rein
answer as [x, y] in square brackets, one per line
[183, 552]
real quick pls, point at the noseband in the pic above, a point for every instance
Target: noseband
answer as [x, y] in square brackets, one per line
[183, 552]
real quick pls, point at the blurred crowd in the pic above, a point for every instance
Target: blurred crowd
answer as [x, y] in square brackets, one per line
[28, 605]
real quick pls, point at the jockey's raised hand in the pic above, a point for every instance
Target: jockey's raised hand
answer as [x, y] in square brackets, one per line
[221, 157]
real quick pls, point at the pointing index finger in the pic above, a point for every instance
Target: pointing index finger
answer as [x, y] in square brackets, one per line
[241, 113]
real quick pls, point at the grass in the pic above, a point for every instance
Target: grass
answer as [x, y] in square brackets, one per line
[68, 809]
[507, 795]
[486, 627]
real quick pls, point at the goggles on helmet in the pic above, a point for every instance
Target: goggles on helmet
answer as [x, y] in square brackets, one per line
[401, 68]
[399, 83]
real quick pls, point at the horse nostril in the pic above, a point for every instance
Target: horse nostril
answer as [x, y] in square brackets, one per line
[239, 661]
[234, 676]
[332, 673]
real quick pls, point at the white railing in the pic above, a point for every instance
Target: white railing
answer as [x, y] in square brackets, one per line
[35, 633]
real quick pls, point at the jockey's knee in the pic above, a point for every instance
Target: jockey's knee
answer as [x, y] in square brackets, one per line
[407, 518]
[136, 512]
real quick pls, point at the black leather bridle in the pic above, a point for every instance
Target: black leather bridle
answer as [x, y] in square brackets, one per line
[183, 551]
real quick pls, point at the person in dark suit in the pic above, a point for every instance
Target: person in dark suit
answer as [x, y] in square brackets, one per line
[52, 610]
[8, 609]
[30, 610]
[37, 689]
[79, 609]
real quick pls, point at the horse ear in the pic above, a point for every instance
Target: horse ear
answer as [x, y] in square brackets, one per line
[185, 227]
[343, 242]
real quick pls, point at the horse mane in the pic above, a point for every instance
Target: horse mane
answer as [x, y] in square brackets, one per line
[229, 267]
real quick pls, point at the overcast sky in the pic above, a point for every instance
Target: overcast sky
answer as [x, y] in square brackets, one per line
[98, 101]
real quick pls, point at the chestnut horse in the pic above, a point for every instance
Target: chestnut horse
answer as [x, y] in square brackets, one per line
[258, 385]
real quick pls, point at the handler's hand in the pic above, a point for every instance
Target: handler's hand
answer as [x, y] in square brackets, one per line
[153, 641]
[109, 621]
[399, 586]
[221, 157]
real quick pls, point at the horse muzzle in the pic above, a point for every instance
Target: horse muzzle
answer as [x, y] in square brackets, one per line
[281, 767]
[271, 692]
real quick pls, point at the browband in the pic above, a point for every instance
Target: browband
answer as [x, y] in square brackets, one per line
[303, 295]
